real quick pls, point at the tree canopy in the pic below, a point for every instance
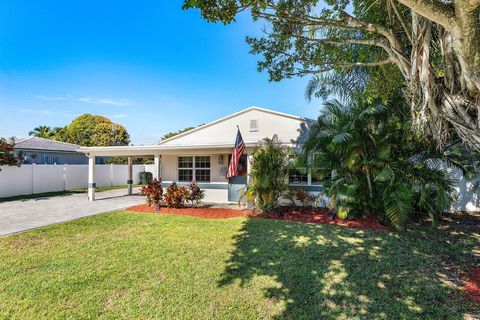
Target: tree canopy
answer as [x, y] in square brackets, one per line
[176, 133]
[429, 48]
[92, 130]
[86, 130]
[42, 132]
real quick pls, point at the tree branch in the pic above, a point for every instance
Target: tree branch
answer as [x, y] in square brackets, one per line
[433, 10]
[303, 72]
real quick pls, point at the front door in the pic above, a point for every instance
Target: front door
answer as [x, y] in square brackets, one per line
[236, 185]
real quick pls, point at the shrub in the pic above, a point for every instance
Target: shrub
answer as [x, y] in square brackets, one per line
[7, 156]
[176, 196]
[303, 196]
[375, 165]
[153, 192]
[269, 172]
[195, 194]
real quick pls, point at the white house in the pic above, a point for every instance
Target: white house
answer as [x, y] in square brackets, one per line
[202, 154]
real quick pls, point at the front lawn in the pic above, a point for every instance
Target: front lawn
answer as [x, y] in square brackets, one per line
[140, 266]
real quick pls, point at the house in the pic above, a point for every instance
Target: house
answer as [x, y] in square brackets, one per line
[35, 150]
[202, 154]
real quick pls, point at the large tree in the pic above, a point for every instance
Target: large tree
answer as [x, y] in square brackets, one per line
[434, 46]
[92, 130]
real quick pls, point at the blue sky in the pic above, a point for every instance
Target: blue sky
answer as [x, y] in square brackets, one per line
[150, 66]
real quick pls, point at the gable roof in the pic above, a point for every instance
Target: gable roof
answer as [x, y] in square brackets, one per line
[286, 115]
[36, 143]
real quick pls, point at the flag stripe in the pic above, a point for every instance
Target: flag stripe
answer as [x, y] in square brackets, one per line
[237, 152]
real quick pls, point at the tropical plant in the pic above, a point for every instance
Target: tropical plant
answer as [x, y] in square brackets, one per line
[153, 192]
[433, 47]
[176, 196]
[195, 194]
[303, 197]
[375, 165]
[42, 132]
[7, 155]
[269, 171]
[60, 134]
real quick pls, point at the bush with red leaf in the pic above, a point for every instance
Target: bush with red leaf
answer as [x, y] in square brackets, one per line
[7, 155]
[176, 196]
[153, 192]
[195, 194]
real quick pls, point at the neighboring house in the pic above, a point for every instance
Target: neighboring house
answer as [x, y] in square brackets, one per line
[203, 153]
[35, 150]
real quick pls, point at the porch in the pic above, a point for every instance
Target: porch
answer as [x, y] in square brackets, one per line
[206, 164]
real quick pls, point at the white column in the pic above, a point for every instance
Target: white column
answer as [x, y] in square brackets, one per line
[91, 178]
[156, 169]
[249, 168]
[249, 204]
[130, 179]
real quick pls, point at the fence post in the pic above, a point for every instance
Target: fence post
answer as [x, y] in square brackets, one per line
[33, 178]
[111, 174]
[64, 177]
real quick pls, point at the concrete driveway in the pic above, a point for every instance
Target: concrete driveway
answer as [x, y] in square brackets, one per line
[21, 215]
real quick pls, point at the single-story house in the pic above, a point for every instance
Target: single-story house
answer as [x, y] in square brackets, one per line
[35, 150]
[202, 154]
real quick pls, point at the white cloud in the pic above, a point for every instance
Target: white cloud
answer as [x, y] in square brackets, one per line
[51, 98]
[88, 100]
[106, 101]
[32, 111]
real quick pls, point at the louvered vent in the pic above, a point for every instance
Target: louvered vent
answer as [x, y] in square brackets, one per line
[253, 125]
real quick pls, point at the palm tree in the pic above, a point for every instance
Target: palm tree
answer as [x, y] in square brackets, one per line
[42, 132]
[60, 134]
[269, 172]
[373, 163]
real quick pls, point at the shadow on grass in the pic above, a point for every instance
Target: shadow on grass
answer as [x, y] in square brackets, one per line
[326, 272]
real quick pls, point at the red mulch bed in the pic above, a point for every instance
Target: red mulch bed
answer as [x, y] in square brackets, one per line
[472, 285]
[320, 217]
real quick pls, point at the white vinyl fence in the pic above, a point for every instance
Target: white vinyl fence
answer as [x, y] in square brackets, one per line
[31, 178]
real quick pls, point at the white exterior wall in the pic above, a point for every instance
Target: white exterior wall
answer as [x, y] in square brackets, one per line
[31, 179]
[468, 198]
[169, 165]
[287, 128]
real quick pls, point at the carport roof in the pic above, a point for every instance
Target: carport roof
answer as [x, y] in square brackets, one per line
[154, 149]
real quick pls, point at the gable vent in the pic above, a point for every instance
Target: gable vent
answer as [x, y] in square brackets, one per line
[253, 125]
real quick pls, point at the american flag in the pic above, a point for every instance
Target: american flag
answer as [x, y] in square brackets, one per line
[236, 154]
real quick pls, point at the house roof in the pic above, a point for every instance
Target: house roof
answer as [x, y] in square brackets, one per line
[286, 115]
[289, 128]
[36, 143]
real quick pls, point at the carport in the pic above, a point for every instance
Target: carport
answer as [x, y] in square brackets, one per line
[157, 151]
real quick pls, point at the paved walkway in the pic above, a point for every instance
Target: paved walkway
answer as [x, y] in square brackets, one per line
[21, 215]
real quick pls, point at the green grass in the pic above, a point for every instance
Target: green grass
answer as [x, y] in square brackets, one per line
[143, 266]
[59, 193]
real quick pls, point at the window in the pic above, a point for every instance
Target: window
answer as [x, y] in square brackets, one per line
[50, 160]
[316, 178]
[202, 169]
[185, 168]
[190, 167]
[295, 176]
